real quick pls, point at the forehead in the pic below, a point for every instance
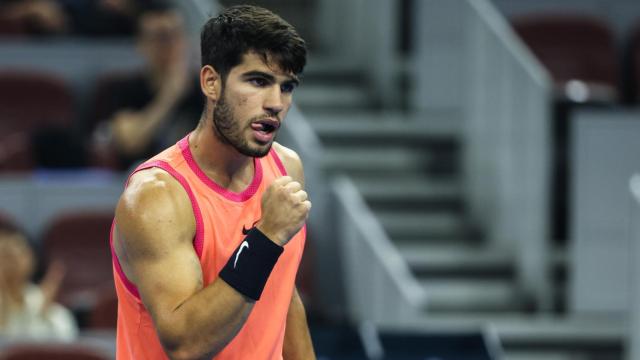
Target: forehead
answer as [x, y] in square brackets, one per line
[252, 61]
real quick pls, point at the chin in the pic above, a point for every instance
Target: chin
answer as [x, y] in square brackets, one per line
[257, 151]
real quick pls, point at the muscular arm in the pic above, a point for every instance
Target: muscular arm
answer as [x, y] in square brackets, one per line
[297, 340]
[155, 228]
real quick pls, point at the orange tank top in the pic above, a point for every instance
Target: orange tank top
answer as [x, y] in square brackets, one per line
[221, 216]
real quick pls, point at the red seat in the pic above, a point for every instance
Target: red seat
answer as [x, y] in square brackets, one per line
[39, 351]
[16, 153]
[105, 312]
[11, 28]
[80, 240]
[573, 47]
[30, 100]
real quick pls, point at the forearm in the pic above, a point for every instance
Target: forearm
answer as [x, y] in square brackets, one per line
[214, 315]
[133, 131]
[157, 112]
[297, 340]
[204, 324]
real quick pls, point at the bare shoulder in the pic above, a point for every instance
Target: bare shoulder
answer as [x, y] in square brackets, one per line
[153, 207]
[153, 239]
[291, 161]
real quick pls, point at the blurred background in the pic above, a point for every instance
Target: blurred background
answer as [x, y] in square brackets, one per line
[471, 165]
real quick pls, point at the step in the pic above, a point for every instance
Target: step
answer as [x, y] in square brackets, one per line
[456, 260]
[316, 95]
[410, 190]
[384, 126]
[560, 354]
[531, 355]
[443, 122]
[422, 225]
[470, 295]
[415, 187]
[373, 160]
[321, 67]
[527, 331]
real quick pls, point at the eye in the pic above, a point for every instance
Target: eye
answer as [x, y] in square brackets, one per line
[260, 82]
[287, 88]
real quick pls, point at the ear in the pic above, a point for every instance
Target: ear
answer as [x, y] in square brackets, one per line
[210, 83]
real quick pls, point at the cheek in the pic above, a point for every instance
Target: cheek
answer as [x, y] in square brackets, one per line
[285, 111]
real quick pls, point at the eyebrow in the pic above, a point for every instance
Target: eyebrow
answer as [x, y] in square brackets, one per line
[292, 79]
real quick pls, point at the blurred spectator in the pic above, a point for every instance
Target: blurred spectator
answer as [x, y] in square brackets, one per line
[96, 18]
[104, 18]
[144, 112]
[28, 311]
[33, 17]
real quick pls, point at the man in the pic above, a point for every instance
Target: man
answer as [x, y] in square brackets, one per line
[144, 112]
[208, 234]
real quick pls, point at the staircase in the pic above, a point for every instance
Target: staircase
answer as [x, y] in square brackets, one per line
[407, 168]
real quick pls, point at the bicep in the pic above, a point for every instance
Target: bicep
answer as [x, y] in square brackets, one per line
[164, 278]
[154, 234]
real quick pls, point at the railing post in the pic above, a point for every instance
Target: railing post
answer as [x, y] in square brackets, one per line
[633, 339]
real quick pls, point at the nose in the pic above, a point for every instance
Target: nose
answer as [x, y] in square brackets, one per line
[273, 102]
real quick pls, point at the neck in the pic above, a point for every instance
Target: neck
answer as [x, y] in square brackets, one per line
[219, 161]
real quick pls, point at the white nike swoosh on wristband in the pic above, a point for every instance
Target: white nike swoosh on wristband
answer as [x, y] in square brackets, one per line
[244, 244]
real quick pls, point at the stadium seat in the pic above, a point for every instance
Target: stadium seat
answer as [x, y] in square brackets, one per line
[578, 51]
[80, 240]
[104, 315]
[16, 153]
[31, 100]
[39, 351]
[11, 29]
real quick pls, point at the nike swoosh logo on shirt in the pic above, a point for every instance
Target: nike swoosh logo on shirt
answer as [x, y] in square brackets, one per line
[244, 245]
[245, 231]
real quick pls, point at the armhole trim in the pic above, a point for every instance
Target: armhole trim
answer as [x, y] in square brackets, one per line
[198, 240]
[278, 162]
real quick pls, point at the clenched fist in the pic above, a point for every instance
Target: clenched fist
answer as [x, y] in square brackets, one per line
[285, 207]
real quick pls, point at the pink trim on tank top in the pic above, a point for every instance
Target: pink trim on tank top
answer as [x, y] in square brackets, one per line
[127, 284]
[198, 241]
[279, 164]
[233, 196]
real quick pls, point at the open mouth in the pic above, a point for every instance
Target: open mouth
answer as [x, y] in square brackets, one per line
[266, 126]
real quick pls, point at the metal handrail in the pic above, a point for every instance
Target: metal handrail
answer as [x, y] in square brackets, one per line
[382, 288]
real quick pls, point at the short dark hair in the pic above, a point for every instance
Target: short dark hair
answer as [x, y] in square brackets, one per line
[241, 29]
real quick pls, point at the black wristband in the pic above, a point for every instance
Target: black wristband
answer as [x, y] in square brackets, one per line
[250, 265]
